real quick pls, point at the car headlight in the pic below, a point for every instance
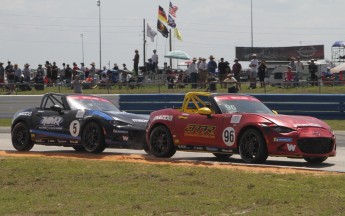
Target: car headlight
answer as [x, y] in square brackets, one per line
[280, 129]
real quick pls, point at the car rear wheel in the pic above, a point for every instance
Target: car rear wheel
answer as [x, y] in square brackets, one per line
[93, 139]
[315, 160]
[161, 142]
[222, 156]
[21, 139]
[252, 147]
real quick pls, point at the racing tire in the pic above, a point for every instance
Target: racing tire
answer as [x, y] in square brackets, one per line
[79, 148]
[20, 136]
[222, 156]
[252, 147]
[161, 142]
[315, 160]
[93, 138]
[147, 148]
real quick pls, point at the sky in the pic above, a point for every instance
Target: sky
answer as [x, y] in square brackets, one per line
[34, 31]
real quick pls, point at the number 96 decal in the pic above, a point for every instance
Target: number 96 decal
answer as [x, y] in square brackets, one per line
[229, 136]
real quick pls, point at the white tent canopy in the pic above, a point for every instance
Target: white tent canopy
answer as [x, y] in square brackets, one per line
[338, 68]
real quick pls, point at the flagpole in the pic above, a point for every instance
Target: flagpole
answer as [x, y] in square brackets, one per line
[170, 47]
[144, 50]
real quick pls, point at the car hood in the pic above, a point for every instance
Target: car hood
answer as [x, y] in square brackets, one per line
[293, 121]
[130, 118]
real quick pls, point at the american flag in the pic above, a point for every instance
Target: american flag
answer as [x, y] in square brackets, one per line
[172, 9]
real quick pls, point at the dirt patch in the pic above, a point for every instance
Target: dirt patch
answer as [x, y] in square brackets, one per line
[147, 159]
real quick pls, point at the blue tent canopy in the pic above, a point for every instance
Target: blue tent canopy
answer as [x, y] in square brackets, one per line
[339, 44]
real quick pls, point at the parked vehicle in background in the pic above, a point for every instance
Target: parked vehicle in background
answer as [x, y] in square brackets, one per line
[277, 77]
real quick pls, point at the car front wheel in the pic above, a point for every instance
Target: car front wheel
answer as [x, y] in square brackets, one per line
[92, 138]
[21, 139]
[252, 147]
[315, 160]
[161, 142]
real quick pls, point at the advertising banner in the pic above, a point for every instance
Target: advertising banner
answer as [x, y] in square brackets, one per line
[281, 53]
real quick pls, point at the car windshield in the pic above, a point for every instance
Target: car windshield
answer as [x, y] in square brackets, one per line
[92, 103]
[243, 104]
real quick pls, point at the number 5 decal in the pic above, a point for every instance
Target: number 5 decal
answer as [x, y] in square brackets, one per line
[229, 136]
[74, 128]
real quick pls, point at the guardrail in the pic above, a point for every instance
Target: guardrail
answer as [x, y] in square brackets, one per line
[325, 106]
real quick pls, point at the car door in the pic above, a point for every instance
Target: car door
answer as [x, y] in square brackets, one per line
[199, 130]
[51, 125]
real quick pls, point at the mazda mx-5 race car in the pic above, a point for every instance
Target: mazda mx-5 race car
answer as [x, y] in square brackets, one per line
[226, 124]
[84, 122]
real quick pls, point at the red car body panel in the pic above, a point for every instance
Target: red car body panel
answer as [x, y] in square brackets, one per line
[302, 136]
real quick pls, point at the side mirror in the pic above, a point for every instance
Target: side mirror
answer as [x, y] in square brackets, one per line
[56, 108]
[205, 111]
[275, 112]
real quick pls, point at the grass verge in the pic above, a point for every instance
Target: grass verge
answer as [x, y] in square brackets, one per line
[42, 186]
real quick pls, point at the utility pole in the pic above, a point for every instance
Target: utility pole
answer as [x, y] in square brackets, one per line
[82, 46]
[170, 46]
[100, 35]
[251, 23]
[144, 49]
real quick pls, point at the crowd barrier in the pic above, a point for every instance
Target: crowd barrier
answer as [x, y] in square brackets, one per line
[325, 106]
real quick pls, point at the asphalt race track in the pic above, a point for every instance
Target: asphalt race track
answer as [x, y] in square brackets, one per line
[334, 164]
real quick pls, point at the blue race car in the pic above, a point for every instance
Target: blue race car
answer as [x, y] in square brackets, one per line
[84, 122]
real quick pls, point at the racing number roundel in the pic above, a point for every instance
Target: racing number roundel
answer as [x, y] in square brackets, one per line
[229, 136]
[74, 128]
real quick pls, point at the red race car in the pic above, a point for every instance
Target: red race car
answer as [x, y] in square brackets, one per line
[227, 124]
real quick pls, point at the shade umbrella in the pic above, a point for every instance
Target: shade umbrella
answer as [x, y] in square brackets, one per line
[177, 54]
[338, 68]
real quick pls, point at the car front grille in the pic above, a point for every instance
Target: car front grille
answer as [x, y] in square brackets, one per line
[315, 145]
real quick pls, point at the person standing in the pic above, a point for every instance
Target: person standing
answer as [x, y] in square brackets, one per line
[299, 70]
[222, 72]
[10, 76]
[203, 73]
[75, 70]
[49, 73]
[83, 69]
[154, 59]
[261, 73]
[68, 75]
[77, 85]
[292, 63]
[26, 73]
[254, 63]
[55, 72]
[212, 66]
[236, 69]
[62, 73]
[312, 70]
[40, 71]
[2, 73]
[136, 62]
[288, 77]
[17, 73]
[193, 71]
[92, 72]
